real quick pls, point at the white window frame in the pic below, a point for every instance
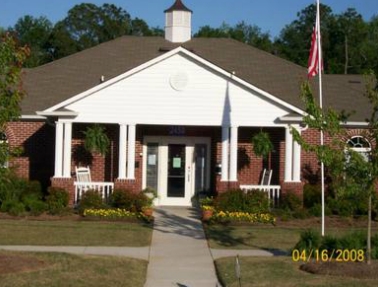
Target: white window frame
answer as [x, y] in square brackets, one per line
[3, 138]
[362, 146]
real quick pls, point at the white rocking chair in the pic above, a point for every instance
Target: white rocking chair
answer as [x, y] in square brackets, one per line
[84, 183]
[272, 190]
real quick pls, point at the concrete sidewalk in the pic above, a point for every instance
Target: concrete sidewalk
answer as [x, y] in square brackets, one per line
[132, 252]
[179, 254]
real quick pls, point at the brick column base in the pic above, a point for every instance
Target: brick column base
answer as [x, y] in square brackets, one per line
[129, 184]
[295, 187]
[223, 186]
[67, 184]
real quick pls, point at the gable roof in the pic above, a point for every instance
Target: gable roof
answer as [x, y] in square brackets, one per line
[60, 80]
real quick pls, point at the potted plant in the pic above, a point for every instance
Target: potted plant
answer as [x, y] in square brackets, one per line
[207, 212]
[262, 145]
[207, 207]
[147, 211]
[96, 140]
[150, 194]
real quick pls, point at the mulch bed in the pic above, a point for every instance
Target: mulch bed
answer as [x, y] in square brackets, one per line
[359, 270]
[17, 263]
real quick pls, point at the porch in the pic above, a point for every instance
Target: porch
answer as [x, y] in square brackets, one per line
[139, 157]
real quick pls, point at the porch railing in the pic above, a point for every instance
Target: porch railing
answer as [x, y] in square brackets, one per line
[105, 189]
[272, 190]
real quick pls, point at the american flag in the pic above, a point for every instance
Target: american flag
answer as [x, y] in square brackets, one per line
[313, 60]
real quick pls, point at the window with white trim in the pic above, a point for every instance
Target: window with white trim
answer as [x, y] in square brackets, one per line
[360, 145]
[3, 145]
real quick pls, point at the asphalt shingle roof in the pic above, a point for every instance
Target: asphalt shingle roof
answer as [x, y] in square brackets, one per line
[60, 80]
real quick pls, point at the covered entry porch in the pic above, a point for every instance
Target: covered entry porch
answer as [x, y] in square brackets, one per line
[177, 161]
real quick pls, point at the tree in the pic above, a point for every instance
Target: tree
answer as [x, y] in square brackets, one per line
[35, 33]
[249, 34]
[369, 47]
[349, 43]
[140, 28]
[209, 32]
[87, 25]
[294, 40]
[12, 58]
[359, 176]
[348, 32]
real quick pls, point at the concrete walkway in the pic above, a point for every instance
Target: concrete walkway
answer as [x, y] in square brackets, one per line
[179, 254]
[132, 252]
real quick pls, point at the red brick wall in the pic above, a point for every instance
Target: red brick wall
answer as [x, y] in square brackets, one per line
[37, 141]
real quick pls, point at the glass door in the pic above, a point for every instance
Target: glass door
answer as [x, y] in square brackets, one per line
[200, 151]
[176, 170]
[177, 167]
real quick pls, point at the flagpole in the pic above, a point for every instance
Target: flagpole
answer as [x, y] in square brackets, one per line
[321, 107]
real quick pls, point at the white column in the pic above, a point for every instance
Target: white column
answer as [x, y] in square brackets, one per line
[288, 155]
[297, 159]
[225, 144]
[122, 151]
[58, 149]
[131, 152]
[67, 147]
[234, 154]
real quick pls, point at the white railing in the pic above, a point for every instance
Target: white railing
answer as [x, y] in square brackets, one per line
[272, 190]
[103, 188]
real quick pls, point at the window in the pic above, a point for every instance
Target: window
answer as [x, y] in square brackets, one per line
[360, 145]
[3, 146]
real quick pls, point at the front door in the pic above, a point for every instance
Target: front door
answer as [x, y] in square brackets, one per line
[176, 180]
[177, 168]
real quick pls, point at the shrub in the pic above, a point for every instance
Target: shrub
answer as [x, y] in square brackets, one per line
[354, 240]
[34, 205]
[290, 201]
[253, 201]
[312, 195]
[57, 200]
[316, 210]
[301, 213]
[13, 207]
[330, 243]
[90, 200]
[126, 199]
[18, 195]
[310, 239]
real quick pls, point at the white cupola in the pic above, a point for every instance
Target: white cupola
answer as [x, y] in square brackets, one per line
[178, 23]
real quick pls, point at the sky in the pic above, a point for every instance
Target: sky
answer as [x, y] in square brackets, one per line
[270, 15]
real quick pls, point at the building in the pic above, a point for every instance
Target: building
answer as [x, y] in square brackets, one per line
[180, 114]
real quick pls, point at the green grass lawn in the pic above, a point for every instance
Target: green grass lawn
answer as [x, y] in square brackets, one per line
[57, 269]
[278, 271]
[74, 233]
[251, 237]
[268, 237]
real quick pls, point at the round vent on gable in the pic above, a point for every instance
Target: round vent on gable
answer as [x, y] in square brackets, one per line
[179, 80]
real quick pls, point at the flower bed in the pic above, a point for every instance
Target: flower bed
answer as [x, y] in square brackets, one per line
[112, 214]
[226, 216]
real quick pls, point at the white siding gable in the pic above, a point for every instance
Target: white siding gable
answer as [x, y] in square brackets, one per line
[178, 91]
